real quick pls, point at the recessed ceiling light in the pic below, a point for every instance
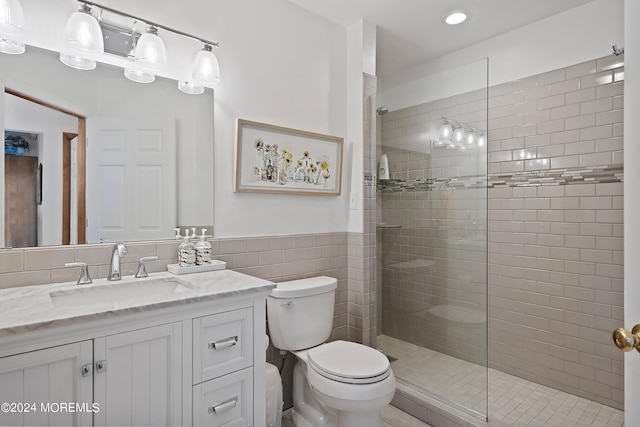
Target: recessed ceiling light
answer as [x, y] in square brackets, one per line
[455, 18]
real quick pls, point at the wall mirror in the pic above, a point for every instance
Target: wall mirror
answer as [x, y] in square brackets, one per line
[111, 160]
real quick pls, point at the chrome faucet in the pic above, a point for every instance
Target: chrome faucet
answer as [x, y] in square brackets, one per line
[119, 250]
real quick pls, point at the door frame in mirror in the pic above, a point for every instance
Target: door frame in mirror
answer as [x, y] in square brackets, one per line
[81, 159]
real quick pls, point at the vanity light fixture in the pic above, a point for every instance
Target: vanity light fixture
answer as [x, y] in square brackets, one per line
[11, 27]
[150, 52]
[206, 69]
[470, 137]
[455, 17]
[82, 40]
[139, 76]
[458, 135]
[148, 56]
[190, 88]
[482, 140]
[446, 131]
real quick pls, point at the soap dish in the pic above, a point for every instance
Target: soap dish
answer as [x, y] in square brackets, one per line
[215, 265]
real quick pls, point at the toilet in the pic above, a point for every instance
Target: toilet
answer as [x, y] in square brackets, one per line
[339, 383]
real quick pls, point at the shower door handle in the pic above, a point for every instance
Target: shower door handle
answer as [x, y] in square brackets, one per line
[627, 340]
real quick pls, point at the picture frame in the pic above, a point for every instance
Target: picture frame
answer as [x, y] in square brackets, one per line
[276, 159]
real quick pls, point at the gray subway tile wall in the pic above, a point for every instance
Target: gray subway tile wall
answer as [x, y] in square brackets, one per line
[556, 252]
[555, 225]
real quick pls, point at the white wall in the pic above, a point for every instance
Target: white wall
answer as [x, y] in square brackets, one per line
[577, 35]
[280, 64]
[285, 66]
[50, 124]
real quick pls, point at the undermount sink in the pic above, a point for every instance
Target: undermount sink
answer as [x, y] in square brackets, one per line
[121, 293]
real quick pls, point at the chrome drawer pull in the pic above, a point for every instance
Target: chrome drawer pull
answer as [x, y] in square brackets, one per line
[219, 345]
[224, 406]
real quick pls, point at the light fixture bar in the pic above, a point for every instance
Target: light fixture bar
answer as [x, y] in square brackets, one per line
[154, 24]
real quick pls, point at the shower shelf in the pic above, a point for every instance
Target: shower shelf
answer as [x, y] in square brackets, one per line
[383, 225]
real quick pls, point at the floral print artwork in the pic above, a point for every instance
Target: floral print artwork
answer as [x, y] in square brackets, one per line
[282, 166]
[275, 159]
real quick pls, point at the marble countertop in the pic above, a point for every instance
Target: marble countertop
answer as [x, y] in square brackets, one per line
[29, 308]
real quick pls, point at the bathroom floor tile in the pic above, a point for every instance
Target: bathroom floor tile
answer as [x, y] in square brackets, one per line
[512, 400]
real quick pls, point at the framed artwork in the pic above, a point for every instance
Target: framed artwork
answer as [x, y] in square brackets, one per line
[275, 159]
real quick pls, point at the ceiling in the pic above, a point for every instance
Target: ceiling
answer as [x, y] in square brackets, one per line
[412, 32]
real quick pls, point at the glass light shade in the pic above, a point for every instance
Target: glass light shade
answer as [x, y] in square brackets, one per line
[470, 137]
[190, 88]
[206, 70]
[446, 131]
[482, 140]
[83, 34]
[458, 134]
[150, 52]
[77, 61]
[11, 27]
[139, 76]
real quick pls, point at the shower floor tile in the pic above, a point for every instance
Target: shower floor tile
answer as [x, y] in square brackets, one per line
[512, 400]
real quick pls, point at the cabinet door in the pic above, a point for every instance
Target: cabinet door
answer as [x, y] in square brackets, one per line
[138, 377]
[40, 383]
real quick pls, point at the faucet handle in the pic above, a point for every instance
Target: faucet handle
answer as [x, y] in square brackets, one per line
[84, 278]
[142, 272]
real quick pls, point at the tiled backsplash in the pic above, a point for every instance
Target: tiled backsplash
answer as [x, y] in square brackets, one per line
[555, 226]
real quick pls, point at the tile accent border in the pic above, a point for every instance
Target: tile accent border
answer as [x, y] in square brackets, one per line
[569, 176]
[592, 175]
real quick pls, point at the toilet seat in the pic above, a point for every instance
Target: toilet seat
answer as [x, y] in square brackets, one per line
[349, 362]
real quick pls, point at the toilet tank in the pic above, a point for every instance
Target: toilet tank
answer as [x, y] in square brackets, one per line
[300, 312]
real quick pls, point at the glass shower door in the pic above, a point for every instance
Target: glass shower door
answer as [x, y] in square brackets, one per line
[431, 235]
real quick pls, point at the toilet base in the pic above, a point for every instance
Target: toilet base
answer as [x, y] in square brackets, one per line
[308, 411]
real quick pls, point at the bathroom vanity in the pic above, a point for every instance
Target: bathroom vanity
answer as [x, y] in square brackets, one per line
[163, 350]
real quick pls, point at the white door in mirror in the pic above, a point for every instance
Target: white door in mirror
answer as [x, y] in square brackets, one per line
[132, 181]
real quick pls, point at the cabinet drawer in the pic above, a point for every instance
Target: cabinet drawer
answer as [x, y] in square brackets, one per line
[226, 401]
[222, 343]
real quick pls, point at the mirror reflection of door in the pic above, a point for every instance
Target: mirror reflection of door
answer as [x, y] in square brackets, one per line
[60, 217]
[132, 178]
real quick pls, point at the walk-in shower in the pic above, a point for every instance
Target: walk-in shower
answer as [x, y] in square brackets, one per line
[498, 242]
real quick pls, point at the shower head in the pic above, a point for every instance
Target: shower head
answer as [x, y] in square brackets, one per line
[381, 111]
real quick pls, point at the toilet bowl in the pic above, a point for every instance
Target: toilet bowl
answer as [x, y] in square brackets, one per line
[338, 383]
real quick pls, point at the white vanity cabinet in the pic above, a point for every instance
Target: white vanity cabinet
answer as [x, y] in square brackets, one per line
[134, 378]
[138, 377]
[185, 362]
[31, 381]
